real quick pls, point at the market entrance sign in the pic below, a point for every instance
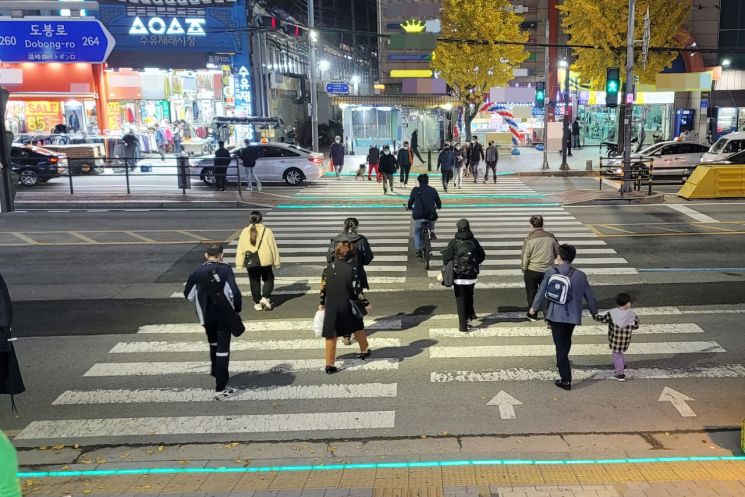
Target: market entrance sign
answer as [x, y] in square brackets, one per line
[54, 39]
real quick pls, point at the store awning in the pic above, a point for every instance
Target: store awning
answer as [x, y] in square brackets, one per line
[51, 95]
[394, 100]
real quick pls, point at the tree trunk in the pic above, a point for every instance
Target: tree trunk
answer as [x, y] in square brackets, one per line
[469, 117]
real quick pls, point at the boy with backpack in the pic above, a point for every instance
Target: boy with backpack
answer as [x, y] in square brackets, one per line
[622, 321]
[466, 254]
[564, 288]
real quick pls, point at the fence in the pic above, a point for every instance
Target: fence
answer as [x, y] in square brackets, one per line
[642, 173]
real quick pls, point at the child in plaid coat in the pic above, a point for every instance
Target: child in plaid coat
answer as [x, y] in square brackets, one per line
[622, 321]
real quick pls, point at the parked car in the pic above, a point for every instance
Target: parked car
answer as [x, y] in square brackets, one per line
[36, 165]
[725, 147]
[737, 159]
[275, 162]
[670, 158]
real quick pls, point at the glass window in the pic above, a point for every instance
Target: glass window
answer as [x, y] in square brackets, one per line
[670, 150]
[728, 39]
[734, 146]
[270, 152]
[729, 15]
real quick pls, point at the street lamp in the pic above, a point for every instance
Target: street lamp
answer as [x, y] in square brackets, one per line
[565, 135]
[324, 65]
[355, 80]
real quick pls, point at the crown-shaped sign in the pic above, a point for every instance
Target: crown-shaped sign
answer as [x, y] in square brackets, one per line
[413, 26]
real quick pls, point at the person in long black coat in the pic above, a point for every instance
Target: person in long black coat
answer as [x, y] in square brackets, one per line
[11, 382]
[341, 284]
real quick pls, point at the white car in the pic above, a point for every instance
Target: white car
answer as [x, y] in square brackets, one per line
[670, 159]
[724, 147]
[275, 162]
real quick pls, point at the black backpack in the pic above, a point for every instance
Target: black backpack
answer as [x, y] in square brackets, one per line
[465, 262]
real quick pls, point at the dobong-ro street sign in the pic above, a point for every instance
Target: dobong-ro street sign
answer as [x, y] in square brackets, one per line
[54, 39]
[337, 88]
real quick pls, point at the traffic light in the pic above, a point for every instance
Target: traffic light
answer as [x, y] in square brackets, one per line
[612, 86]
[293, 30]
[540, 94]
[269, 22]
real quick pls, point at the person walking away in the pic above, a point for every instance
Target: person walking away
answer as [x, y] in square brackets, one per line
[466, 151]
[178, 135]
[11, 381]
[248, 155]
[491, 157]
[622, 322]
[459, 165]
[540, 249]
[161, 141]
[415, 146]
[214, 277]
[575, 132]
[337, 156]
[130, 150]
[373, 159]
[363, 254]
[10, 485]
[563, 314]
[257, 252]
[388, 166]
[222, 161]
[466, 253]
[423, 202]
[445, 164]
[405, 159]
[568, 140]
[476, 155]
[340, 291]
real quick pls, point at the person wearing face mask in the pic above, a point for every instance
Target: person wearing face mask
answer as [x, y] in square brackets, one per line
[388, 165]
[475, 156]
[445, 163]
[337, 156]
[405, 159]
[459, 165]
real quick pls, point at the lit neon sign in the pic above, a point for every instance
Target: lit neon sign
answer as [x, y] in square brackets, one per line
[158, 26]
[413, 26]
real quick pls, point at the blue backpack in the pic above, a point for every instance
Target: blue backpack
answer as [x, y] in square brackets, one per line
[559, 286]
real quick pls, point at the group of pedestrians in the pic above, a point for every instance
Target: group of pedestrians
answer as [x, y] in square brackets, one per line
[456, 162]
[247, 155]
[386, 164]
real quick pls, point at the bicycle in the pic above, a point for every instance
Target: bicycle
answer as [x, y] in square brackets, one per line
[426, 241]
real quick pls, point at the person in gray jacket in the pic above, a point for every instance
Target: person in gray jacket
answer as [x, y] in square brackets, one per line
[562, 318]
[539, 252]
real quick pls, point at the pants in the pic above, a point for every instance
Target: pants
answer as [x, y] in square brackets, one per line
[162, 150]
[221, 173]
[491, 166]
[255, 276]
[464, 304]
[338, 168]
[475, 169]
[218, 337]
[387, 181]
[533, 280]
[251, 174]
[447, 176]
[377, 173]
[177, 147]
[569, 146]
[415, 151]
[405, 174]
[562, 334]
[618, 362]
[575, 141]
[459, 175]
[418, 232]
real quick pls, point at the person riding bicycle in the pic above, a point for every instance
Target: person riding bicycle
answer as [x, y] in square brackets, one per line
[424, 202]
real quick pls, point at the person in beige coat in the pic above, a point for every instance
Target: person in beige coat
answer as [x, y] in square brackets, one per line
[257, 238]
[539, 251]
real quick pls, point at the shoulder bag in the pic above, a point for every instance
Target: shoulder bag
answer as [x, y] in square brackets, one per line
[251, 257]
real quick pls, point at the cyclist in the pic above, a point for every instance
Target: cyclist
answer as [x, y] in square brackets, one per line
[424, 202]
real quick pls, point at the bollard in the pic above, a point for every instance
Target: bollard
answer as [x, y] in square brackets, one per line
[429, 160]
[184, 181]
[588, 165]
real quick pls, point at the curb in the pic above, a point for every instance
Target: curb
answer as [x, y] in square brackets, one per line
[658, 198]
[138, 204]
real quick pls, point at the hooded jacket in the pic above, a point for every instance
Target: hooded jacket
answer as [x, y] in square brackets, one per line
[363, 253]
[539, 251]
[388, 164]
[571, 312]
[460, 246]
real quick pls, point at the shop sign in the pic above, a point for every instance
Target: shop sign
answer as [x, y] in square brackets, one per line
[115, 116]
[174, 27]
[242, 92]
[42, 116]
[47, 39]
[218, 59]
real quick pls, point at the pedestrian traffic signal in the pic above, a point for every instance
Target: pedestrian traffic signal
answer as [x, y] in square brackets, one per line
[540, 94]
[293, 30]
[612, 86]
[269, 22]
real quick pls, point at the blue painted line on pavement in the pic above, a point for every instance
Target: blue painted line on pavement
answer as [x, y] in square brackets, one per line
[397, 206]
[386, 465]
[692, 270]
[430, 174]
[453, 196]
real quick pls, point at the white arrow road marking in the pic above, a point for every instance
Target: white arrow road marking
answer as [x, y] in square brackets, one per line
[678, 400]
[506, 403]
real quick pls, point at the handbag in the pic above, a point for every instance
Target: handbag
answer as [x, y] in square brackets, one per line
[234, 324]
[318, 322]
[359, 310]
[447, 274]
[251, 257]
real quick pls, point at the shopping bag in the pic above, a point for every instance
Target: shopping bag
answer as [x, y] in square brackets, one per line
[318, 322]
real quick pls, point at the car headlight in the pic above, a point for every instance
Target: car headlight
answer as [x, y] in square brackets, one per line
[619, 170]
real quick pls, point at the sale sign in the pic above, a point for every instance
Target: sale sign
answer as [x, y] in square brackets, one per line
[115, 116]
[42, 116]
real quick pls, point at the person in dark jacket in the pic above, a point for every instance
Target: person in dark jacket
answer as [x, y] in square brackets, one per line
[248, 155]
[575, 133]
[11, 381]
[562, 318]
[467, 255]
[222, 161]
[446, 164]
[415, 145]
[363, 254]
[131, 144]
[340, 284]
[388, 166]
[475, 156]
[423, 202]
[405, 159]
[211, 315]
[336, 151]
[373, 159]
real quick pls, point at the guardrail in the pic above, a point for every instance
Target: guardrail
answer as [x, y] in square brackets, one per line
[642, 172]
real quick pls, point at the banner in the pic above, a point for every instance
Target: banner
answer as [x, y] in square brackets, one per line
[42, 116]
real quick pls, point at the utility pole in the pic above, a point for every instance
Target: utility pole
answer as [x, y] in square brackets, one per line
[546, 101]
[629, 98]
[565, 137]
[312, 38]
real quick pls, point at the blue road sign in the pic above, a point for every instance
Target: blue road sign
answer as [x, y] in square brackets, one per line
[337, 88]
[54, 39]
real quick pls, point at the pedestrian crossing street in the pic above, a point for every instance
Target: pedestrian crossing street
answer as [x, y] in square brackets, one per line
[156, 382]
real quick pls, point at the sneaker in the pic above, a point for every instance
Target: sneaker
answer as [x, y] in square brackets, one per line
[420, 254]
[346, 340]
[264, 302]
[621, 377]
[565, 385]
[228, 392]
[258, 307]
[532, 317]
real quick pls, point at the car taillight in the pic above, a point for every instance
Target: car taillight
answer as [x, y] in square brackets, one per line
[315, 160]
[54, 160]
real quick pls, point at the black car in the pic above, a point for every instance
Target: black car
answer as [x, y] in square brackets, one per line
[36, 165]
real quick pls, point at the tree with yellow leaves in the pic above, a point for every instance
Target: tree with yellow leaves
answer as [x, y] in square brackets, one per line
[602, 24]
[480, 43]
